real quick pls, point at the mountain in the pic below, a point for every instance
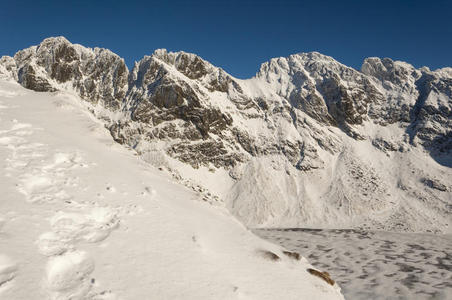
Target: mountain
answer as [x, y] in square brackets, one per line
[307, 142]
[83, 218]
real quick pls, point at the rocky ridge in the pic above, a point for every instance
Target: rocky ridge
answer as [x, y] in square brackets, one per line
[308, 141]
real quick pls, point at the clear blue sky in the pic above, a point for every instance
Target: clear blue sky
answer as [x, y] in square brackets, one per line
[239, 35]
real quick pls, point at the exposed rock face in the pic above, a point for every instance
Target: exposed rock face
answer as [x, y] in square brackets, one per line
[8, 68]
[420, 98]
[95, 74]
[307, 139]
[157, 95]
[434, 184]
[318, 85]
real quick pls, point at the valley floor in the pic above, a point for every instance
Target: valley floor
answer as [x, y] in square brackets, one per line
[376, 264]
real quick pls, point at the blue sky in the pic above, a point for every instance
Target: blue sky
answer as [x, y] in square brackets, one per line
[239, 35]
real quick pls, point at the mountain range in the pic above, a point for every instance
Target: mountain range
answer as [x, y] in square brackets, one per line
[306, 142]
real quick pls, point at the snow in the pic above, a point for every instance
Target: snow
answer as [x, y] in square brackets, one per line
[84, 218]
[7, 269]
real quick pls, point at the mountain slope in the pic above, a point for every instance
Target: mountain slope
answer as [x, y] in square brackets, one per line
[307, 142]
[83, 218]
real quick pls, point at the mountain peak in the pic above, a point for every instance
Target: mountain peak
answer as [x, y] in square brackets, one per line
[313, 55]
[189, 64]
[55, 40]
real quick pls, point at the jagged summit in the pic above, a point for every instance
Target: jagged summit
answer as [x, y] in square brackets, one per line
[56, 64]
[388, 70]
[314, 60]
[308, 141]
[54, 42]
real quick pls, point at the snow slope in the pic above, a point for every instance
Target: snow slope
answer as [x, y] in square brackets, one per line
[82, 217]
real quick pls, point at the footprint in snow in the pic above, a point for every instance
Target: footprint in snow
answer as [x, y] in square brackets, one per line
[44, 181]
[40, 188]
[51, 243]
[71, 228]
[64, 161]
[68, 275]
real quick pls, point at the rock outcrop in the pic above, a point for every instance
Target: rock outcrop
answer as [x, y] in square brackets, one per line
[97, 75]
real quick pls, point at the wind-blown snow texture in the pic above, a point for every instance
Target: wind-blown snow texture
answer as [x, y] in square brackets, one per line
[307, 142]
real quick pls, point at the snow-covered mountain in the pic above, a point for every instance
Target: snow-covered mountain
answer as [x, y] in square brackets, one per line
[81, 217]
[307, 142]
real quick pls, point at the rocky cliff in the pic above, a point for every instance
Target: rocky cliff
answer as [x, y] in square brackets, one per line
[306, 142]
